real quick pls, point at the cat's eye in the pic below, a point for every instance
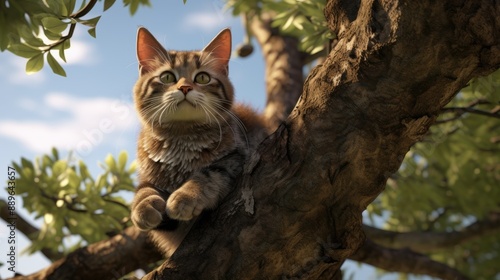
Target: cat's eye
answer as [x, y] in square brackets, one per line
[202, 78]
[167, 77]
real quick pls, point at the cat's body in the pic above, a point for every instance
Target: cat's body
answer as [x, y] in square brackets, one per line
[193, 141]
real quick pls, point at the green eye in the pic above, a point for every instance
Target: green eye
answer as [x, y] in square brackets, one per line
[167, 77]
[202, 78]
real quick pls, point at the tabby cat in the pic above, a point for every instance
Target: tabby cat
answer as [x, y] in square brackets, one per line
[193, 140]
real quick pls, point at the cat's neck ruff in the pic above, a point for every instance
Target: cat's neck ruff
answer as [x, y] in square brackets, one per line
[184, 142]
[183, 129]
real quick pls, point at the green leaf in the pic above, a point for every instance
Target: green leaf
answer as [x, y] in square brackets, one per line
[122, 161]
[91, 31]
[74, 179]
[4, 39]
[90, 22]
[55, 66]
[34, 64]
[84, 172]
[108, 4]
[62, 47]
[70, 5]
[59, 167]
[29, 38]
[55, 153]
[24, 50]
[62, 9]
[26, 163]
[133, 6]
[54, 24]
[51, 35]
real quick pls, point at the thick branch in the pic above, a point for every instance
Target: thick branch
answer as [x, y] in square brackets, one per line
[425, 242]
[283, 69]
[404, 260]
[108, 259]
[28, 230]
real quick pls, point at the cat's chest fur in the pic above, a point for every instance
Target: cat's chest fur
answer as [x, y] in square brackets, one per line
[168, 160]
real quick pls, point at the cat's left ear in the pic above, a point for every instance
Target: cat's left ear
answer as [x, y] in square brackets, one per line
[220, 49]
[148, 49]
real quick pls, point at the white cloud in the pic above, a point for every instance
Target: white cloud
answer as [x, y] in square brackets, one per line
[207, 21]
[91, 122]
[80, 52]
[15, 70]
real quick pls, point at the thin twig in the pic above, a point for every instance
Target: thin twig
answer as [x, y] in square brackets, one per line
[85, 10]
[460, 111]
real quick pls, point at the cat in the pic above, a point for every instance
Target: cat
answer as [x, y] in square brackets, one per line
[193, 141]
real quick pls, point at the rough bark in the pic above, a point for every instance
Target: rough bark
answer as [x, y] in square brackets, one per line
[108, 259]
[297, 208]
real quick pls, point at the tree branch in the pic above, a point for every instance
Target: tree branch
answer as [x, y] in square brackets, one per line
[283, 69]
[404, 260]
[107, 259]
[427, 242]
[460, 111]
[85, 10]
[28, 230]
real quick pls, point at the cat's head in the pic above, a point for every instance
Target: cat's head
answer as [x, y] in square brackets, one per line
[183, 86]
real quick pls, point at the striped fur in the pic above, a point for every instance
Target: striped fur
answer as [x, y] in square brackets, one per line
[193, 141]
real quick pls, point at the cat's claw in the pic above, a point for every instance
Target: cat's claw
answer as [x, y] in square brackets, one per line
[148, 214]
[182, 206]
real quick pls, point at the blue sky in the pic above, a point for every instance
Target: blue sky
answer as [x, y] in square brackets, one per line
[44, 110]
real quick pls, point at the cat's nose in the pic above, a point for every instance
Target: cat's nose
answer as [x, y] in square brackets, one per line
[185, 89]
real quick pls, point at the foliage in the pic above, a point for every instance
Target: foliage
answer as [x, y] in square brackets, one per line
[75, 206]
[34, 29]
[301, 19]
[451, 178]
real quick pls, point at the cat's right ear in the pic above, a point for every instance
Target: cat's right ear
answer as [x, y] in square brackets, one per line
[148, 50]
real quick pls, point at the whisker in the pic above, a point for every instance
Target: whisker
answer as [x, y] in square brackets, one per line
[237, 120]
[232, 116]
[208, 111]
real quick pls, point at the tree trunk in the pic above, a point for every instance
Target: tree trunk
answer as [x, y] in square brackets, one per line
[297, 209]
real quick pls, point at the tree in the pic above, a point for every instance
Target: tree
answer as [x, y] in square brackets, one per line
[382, 86]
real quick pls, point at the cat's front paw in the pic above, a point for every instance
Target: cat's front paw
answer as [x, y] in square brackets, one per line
[184, 205]
[148, 213]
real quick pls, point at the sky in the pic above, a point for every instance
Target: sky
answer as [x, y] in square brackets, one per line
[90, 112]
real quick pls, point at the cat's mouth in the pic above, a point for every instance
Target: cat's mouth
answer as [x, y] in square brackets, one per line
[187, 102]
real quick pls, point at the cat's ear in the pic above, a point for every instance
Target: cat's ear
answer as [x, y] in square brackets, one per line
[220, 49]
[148, 50]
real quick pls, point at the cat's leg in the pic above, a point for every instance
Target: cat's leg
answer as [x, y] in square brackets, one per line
[148, 207]
[206, 187]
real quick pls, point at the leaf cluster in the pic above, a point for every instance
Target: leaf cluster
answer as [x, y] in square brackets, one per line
[36, 29]
[76, 208]
[451, 179]
[302, 19]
